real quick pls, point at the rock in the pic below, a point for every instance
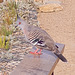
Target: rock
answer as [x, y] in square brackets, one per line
[0, 73]
[40, 1]
[23, 47]
[50, 7]
[17, 42]
[19, 47]
[28, 12]
[16, 59]
[1, 1]
[46, 1]
[5, 60]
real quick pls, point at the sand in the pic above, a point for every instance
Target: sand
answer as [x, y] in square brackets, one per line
[61, 26]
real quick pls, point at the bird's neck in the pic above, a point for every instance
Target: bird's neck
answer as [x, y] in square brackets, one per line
[25, 28]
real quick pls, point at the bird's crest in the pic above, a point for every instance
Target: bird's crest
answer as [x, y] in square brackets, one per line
[18, 18]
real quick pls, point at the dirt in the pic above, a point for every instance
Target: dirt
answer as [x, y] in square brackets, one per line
[61, 26]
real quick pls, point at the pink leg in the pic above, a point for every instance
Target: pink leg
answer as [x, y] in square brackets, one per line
[36, 52]
[40, 51]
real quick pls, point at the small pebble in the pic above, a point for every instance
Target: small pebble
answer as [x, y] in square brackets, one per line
[11, 58]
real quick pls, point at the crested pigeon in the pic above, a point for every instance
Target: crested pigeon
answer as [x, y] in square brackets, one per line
[39, 38]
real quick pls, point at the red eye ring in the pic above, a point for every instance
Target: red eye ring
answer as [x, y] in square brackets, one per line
[19, 22]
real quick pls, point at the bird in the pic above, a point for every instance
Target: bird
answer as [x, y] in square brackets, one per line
[38, 38]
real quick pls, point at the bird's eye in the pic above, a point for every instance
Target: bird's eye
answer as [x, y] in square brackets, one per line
[19, 22]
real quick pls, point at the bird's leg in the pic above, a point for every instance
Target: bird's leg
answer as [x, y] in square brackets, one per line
[36, 52]
[40, 51]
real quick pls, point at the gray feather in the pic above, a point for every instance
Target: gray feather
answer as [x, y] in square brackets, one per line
[40, 38]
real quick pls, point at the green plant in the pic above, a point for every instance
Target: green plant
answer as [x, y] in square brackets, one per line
[0, 42]
[7, 17]
[11, 4]
[5, 31]
[4, 43]
[7, 45]
[9, 12]
[7, 20]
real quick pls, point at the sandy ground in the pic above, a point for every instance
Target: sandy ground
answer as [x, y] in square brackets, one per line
[61, 26]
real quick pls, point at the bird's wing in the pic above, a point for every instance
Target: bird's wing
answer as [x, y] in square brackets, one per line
[42, 40]
[38, 36]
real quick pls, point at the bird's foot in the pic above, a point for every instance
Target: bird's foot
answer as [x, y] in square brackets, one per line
[36, 52]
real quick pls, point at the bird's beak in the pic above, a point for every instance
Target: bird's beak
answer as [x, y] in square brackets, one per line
[16, 26]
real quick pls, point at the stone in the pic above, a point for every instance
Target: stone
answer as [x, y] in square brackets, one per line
[40, 1]
[23, 47]
[50, 7]
[15, 59]
[19, 47]
[1, 1]
[5, 60]
[17, 42]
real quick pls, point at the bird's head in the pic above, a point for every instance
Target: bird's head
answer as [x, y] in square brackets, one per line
[20, 23]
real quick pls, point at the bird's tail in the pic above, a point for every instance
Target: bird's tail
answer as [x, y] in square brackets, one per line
[60, 56]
